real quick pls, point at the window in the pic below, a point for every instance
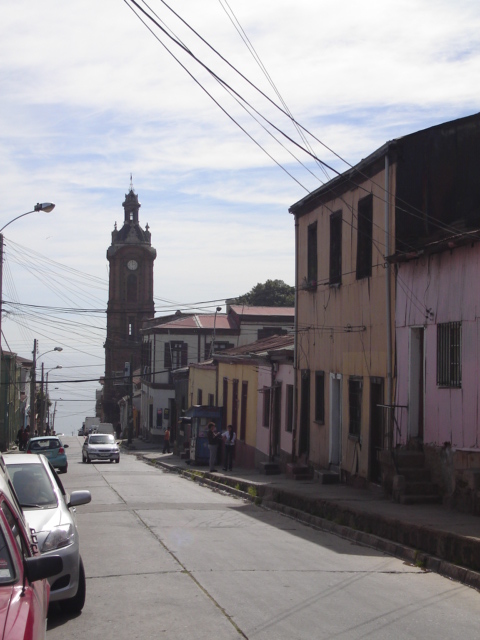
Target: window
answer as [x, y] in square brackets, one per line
[312, 264]
[218, 346]
[355, 406]
[364, 237]
[211, 400]
[132, 288]
[199, 396]
[336, 248]
[266, 406]
[320, 397]
[289, 408]
[268, 332]
[449, 354]
[176, 355]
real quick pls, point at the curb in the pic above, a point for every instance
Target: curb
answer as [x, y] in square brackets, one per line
[415, 557]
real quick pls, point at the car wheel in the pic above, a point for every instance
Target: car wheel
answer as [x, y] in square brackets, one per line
[75, 604]
[83, 458]
[63, 469]
[88, 459]
[117, 461]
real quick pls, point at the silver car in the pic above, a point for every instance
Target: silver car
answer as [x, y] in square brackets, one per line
[100, 446]
[51, 513]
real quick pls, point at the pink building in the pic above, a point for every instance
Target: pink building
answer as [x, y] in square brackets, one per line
[438, 354]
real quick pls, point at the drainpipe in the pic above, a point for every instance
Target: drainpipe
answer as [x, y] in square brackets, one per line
[389, 303]
[295, 347]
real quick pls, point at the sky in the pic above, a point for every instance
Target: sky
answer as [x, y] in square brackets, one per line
[90, 96]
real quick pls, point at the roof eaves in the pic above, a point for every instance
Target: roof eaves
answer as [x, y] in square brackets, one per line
[331, 189]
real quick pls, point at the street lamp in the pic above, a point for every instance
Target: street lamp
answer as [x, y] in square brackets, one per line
[212, 346]
[44, 206]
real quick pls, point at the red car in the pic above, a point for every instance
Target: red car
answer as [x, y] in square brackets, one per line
[24, 588]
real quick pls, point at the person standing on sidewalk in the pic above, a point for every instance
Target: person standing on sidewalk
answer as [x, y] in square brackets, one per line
[166, 441]
[20, 439]
[213, 440]
[229, 437]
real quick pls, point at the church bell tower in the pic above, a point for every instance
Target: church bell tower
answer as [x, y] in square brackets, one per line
[130, 302]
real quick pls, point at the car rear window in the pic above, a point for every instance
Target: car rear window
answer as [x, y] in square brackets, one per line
[102, 439]
[32, 485]
[42, 445]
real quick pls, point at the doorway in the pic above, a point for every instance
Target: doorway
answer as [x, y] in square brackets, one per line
[376, 435]
[276, 418]
[335, 449]
[304, 436]
[416, 383]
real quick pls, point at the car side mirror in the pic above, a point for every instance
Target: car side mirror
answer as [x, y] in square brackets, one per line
[65, 446]
[41, 567]
[79, 497]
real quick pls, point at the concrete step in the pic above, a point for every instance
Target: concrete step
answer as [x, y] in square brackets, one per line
[415, 474]
[325, 476]
[421, 489]
[270, 468]
[420, 499]
[409, 459]
[298, 472]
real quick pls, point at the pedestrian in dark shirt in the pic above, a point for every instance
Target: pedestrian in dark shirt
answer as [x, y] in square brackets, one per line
[20, 438]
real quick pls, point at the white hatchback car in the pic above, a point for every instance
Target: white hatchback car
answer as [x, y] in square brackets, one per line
[100, 446]
[51, 513]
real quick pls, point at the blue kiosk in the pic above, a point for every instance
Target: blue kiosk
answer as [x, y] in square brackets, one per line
[200, 416]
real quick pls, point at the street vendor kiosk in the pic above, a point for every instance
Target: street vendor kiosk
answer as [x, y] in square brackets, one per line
[201, 415]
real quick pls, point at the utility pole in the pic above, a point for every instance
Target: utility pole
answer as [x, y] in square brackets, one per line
[41, 429]
[130, 404]
[33, 388]
[53, 418]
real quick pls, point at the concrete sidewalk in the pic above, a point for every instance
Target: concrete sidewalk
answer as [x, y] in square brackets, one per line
[431, 536]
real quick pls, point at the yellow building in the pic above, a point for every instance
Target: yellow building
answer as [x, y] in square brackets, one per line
[344, 325]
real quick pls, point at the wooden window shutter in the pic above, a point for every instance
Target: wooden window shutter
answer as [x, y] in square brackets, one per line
[167, 361]
[184, 354]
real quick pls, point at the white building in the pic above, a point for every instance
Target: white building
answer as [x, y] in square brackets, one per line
[174, 342]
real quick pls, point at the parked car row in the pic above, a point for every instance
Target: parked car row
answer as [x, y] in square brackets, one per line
[40, 559]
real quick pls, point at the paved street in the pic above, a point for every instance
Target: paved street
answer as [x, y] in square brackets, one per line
[167, 558]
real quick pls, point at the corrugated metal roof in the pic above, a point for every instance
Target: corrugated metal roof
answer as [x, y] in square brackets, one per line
[244, 310]
[199, 321]
[261, 346]
[224, 321]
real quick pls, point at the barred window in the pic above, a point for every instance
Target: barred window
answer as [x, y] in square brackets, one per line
[449, 354]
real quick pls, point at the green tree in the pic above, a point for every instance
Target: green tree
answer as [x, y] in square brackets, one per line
[272, 293]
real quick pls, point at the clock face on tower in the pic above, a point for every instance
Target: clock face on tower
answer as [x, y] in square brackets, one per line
[132, 265]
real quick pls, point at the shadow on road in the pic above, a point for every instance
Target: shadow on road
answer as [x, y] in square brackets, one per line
[57, 617]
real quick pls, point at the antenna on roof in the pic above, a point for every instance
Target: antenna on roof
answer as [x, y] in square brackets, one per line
[131, 183]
